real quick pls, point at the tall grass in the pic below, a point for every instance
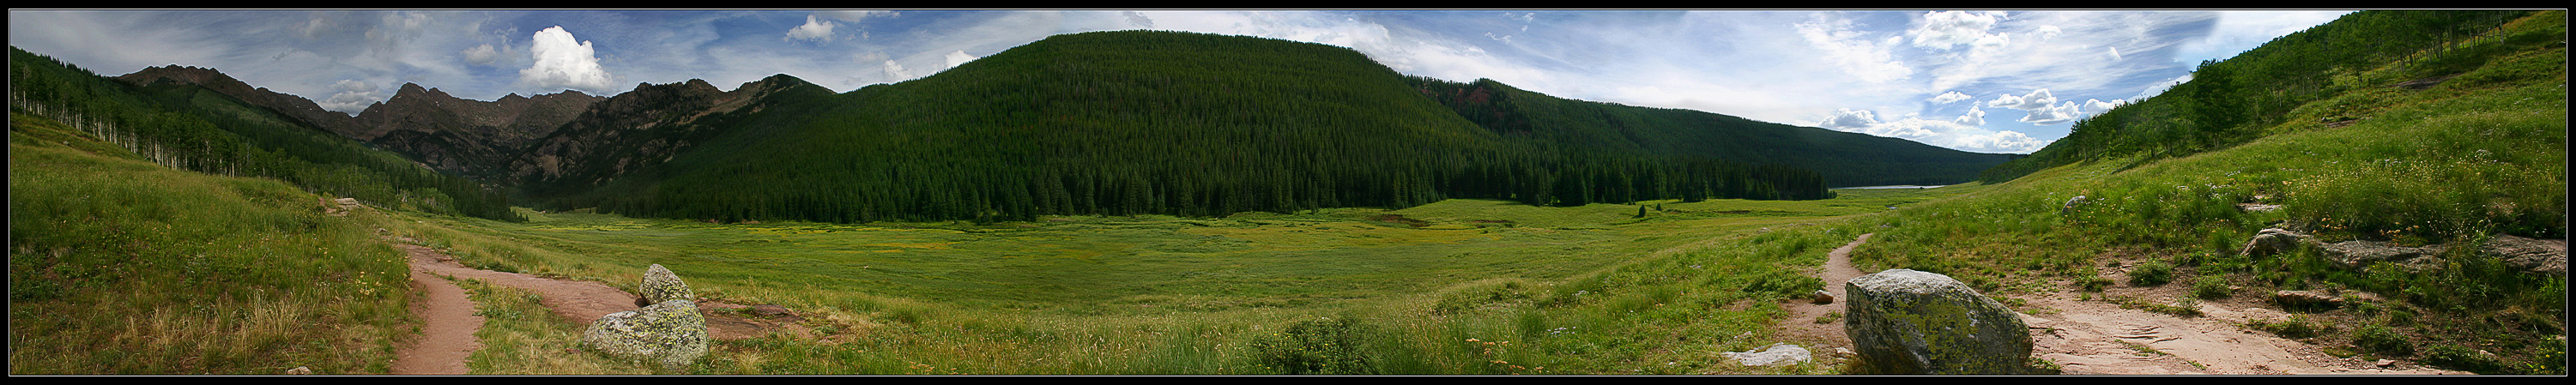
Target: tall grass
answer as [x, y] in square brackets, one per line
[119, 266]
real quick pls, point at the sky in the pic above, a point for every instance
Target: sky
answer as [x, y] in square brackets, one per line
[1979, 81]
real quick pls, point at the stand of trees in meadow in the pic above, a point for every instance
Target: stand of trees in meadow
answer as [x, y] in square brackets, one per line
[190, 128]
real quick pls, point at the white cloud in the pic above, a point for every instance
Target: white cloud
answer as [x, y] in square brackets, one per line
[1975, 117]
[1849, 120]
[1943, 30]
[1866, 60]
[1950, 97]
[959, 58]
[482, 55]
[353, 96]
[564, 62]
[812, 30]
[2043, 108]
[895, 72]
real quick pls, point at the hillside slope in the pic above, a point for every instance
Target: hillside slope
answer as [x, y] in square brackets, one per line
[1193, 124]
[2455, 149]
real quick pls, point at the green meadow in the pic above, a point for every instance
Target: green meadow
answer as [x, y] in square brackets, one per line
[1095, 294]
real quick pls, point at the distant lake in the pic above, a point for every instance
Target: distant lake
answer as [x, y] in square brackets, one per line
[1887, 187]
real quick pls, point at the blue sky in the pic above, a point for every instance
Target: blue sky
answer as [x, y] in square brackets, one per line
[1983, 81]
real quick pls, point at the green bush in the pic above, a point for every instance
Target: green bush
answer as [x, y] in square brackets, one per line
[2296, 327]
[2456, 357]
[2211, 287]
[2151, 273]
[1328, 346]
[2379, 338]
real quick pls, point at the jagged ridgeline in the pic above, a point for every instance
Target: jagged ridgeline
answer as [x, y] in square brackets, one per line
[2234, 101]
[190, 127]
[1138, 122]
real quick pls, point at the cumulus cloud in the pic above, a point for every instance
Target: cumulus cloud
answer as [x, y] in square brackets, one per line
[959, 58]
[1962, 133]
[812, 30]
[352, 97]
[1975, 117]
[482, 55]
[1946, 29]
[565, 62]
[896, 72]
[2044, 109]
[1950, 97]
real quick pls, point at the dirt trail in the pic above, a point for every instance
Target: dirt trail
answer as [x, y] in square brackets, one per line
[449, 320]
[448, 316]
[2100, 338]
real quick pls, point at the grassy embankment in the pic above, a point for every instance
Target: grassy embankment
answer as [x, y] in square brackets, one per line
[2480, 155]
[1422, 290]
[121, 266]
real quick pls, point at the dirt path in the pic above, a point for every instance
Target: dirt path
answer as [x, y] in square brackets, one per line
[2099, 337]
[449, 322]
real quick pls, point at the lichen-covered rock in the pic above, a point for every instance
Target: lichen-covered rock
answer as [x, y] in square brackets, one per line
[2273, 241]
[1911, 322]
[2355, 254]
[661, 285]
[2541, 256]
[671, 333]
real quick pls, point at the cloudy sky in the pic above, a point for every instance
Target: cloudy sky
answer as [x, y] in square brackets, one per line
[1983, 81]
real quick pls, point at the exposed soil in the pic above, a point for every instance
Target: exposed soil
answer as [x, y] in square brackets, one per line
[2096, 337]
[449, 320]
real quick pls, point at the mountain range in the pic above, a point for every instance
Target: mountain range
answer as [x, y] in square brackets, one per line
[1097, 123]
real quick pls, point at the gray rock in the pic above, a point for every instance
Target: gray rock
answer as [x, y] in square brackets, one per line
[671, 333]
[2071, 204]
[1774, 355]
[2302, 299]
[1912, 322]
[661, 285]
[2356, 254]
[2273, 241]
[2544, 256]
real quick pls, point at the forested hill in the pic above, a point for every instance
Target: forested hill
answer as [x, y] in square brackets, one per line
[2252, 94]
[1134, 122]
[1844, 158]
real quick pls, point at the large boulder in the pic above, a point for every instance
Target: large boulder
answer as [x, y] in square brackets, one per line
[1911, 322]
[661, 285]
[671, 333]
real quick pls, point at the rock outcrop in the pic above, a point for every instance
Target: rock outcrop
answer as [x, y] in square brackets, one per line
[2539, 256]
[1911, 322]
[671, 333]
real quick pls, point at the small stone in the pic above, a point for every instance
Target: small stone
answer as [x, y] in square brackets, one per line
[299, 370]
[1774, 355]
[1823, 297]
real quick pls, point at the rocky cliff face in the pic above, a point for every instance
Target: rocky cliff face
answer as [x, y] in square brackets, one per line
[638, 129]
[468, 137]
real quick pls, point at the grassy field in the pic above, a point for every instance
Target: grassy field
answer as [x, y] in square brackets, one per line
[121, 266]
[1171, 295]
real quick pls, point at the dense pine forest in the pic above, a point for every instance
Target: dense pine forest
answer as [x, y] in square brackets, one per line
[1137, 122]
[191, 128]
